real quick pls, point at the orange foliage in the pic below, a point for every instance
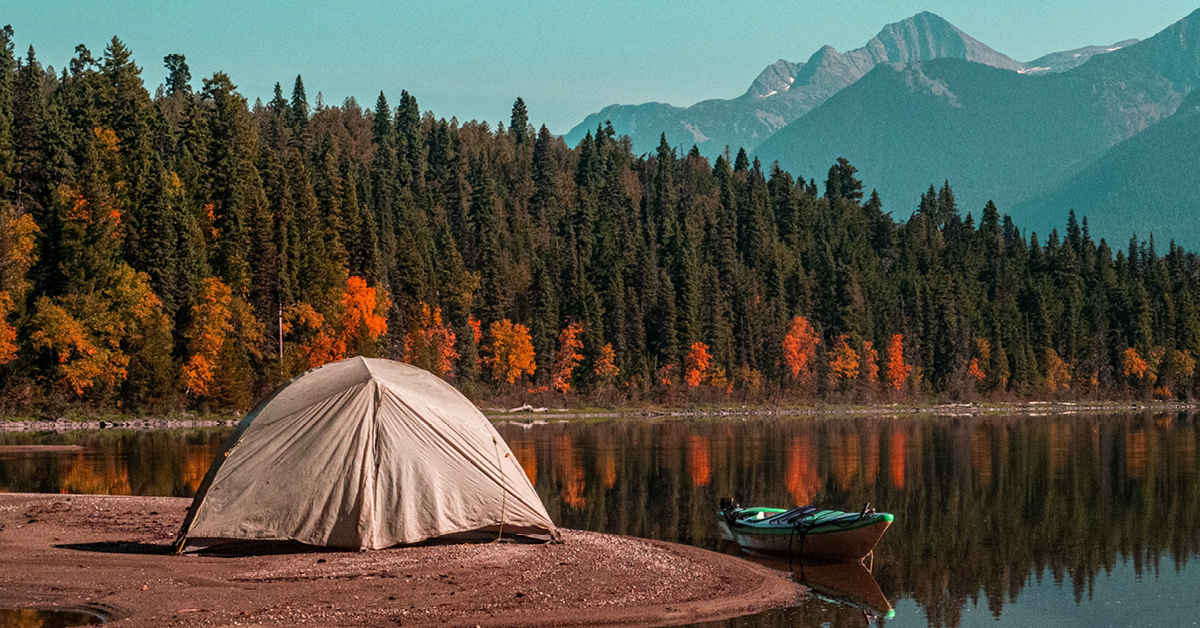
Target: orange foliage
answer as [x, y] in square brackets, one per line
[8, 333]
[800, 348]
[870, 359]
[699, 466]
[363, 310]
[1133, 364]
[476, 329]
[606, 364]
[82, 363]
[430, 345]
[1058, 372]
[665, 374]
[897, 370]
[843, 364]
[510, 351]
[316, 343]
[974, 370]
[210, 220]
[696, 364]
[567, 357]
[206, 334]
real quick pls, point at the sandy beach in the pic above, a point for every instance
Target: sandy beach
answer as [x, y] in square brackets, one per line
[113, 554]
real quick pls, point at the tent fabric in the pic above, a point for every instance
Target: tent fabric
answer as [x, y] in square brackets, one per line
[363, 453]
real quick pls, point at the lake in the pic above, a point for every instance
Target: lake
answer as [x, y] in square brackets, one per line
[1067, 520]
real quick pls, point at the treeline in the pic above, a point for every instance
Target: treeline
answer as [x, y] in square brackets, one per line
[188, 249]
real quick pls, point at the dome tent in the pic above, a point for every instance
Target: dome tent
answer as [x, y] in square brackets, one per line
[362, 454]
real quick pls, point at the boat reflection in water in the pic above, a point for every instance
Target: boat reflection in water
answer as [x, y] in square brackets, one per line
[844, 583]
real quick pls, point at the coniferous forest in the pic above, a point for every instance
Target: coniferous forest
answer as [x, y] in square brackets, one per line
[187, 249]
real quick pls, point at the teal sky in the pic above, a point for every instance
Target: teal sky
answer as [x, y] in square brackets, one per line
[471, 59]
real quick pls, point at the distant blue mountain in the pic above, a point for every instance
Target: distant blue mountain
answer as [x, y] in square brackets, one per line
[785, 91]
[1028, 140]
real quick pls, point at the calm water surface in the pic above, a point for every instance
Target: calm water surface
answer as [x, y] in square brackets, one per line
[1019, 521]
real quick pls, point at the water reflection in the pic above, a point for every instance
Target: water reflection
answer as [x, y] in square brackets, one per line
[169, 463]
[996, 517]
[987, 507]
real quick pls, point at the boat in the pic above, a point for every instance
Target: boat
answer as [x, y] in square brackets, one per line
[805, 531]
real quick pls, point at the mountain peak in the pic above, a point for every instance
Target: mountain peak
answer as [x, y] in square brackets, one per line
[926, 36]
[775, 78]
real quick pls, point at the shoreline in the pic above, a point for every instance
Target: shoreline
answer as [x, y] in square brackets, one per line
[111, 555]
[527, 415]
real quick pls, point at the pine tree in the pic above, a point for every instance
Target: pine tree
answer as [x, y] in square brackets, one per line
[520, 122]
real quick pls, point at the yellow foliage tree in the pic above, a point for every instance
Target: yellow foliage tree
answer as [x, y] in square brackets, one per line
[211, 322]
[510, 351]
[1058, 372]
[17, 236]
[606, 365]
[92, 334]
[82, 364]
[1134, 367]
[843, 364]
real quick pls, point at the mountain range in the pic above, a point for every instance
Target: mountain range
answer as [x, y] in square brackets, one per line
[785, 91]
[1099, 129]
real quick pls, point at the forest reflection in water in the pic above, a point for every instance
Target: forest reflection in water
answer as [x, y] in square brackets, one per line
[987, 508]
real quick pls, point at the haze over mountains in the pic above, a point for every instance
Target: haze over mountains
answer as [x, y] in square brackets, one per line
[924, 102]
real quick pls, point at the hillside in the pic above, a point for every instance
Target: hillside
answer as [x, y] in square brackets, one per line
[1146, 185]
[997, 135]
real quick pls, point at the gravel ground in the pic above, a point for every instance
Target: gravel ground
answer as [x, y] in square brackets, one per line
[112, 554]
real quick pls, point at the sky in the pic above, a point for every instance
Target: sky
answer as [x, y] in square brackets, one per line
[472, 59]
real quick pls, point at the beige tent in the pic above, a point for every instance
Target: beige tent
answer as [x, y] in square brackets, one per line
[363, 453]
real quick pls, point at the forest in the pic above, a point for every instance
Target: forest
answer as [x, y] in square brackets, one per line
[188, 250]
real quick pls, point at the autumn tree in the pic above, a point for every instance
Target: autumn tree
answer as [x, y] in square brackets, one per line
[210, 325]
[363, 317]
[566, 357]
[606, 369]
[696, 364]
[310, 338]
[843, 363]
[17, 237]
[869, 369]
[1058, 372]
[430, 343]
[800, 349]
[897, 370]
[509, 351]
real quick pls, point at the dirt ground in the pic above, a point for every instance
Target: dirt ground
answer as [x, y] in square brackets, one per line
[112, 554]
